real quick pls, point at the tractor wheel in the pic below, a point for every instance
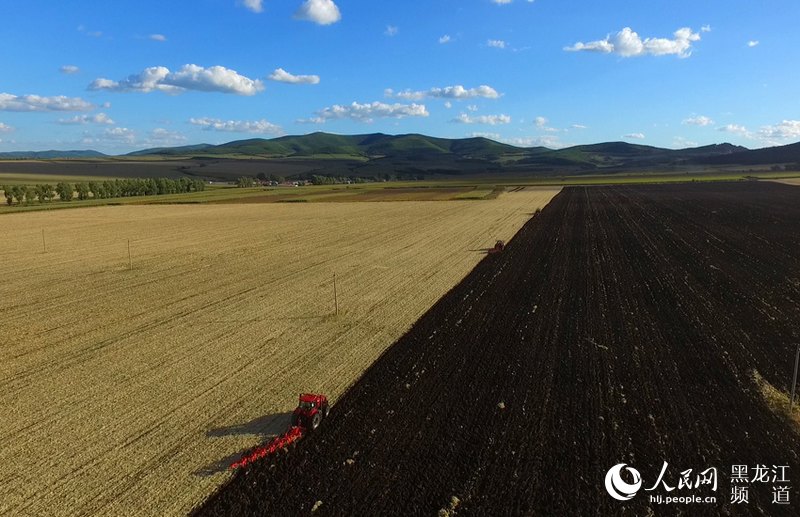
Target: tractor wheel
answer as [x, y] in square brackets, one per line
[315, 421]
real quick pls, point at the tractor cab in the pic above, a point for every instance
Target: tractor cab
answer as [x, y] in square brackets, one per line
[310, 411]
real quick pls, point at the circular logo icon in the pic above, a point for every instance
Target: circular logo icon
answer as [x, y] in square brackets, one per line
[617, 487]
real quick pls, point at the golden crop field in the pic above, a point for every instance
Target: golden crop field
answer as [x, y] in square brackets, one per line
[128, 392]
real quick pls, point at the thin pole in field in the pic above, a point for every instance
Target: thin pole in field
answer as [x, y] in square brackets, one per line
[335, 299]
[44, 243]
[130, 260]
[794, 379]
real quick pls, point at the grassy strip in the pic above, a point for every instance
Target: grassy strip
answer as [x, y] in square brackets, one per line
[777, 401]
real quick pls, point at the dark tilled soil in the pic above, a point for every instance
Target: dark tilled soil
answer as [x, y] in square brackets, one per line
[619, 326]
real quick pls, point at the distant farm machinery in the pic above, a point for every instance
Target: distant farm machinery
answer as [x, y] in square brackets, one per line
[499, 246]
[311, 410]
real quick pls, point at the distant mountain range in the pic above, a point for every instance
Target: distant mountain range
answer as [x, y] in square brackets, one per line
[415, 154]
[50, 155]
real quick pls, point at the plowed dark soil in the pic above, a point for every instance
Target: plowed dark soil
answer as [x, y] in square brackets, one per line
[619, 326]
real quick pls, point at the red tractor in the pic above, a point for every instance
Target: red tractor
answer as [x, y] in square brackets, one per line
[306, 418]
[498, 247]
[310, 411]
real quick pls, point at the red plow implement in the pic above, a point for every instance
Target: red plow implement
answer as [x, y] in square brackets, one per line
[277, 443]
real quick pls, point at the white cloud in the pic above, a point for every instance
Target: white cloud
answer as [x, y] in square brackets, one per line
[5, 128]
[261, 127]
[492, 120]
[164, 137]
[120, 134]
[323, 12]
[733, 128]
[9, 102]
[634, 136]
[699, 120]
[158, 37]
[472, 108]
[283, 76]
[448, 92]
[785, 130]
[502, 2]
[188, 77]
[552, 142]
[579, 126]
[100, 118]
[391, 30]
[445, 39]
[628, 43]
[753, 43]
[682, 143]
[705, 28]
[448, 104]
[496, 43]
[69, 69]
[253, 5]
[491, 136]
[369, 111]
[540, 121]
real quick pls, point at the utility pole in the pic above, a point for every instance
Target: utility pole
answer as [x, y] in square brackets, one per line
[130, 260]
[44, 244]
[794, 379]
[335, 299]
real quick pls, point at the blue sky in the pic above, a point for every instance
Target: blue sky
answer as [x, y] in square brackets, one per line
[125, 75]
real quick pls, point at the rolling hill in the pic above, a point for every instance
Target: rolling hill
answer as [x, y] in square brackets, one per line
[415, 155]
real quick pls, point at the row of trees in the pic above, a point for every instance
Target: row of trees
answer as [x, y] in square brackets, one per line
[101, 189]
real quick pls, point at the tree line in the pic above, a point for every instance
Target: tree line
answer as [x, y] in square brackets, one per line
[101, 189]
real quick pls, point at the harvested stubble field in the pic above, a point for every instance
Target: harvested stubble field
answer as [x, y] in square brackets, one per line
[129, 392]
[621, 325]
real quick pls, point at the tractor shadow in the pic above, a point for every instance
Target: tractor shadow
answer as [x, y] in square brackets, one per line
[265, 427]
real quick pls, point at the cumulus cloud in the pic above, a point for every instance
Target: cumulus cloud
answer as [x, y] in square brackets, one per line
[9, 102]
[369, 111]
[69, 69]
[699, 120]
[158, 37]
[753, 43]
[253, 5]
[283, 76]
[553, 142]
[323, 12]
[628, 43]
[683, 143]
[164, 137]
[492, 120]
[457, 92]
[391, 30]
[261, 127]
[496, 43]
[120, 134]
[5, 128]
[579, 126]
[540, 121]
[188, 77]
[634, 136]
[100, 118]
[785, 130]
[445, 39]
[733, 128]
[705, 28]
